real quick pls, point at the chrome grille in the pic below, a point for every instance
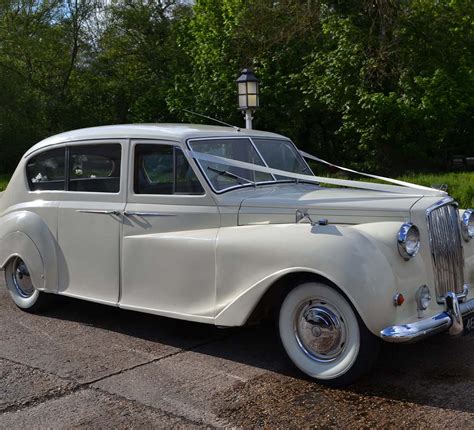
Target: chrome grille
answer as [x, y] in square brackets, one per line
[446, 248]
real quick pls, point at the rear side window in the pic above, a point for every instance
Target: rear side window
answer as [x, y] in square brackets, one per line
[46, 171]
[95, 168]
[163, 169]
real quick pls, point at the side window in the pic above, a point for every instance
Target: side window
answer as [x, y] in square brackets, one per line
[95, 168]
[46, 170]
[163, 169]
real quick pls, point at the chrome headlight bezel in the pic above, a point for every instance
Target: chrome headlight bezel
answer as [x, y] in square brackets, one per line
[408, 240]
[423, 297]
[467, 224]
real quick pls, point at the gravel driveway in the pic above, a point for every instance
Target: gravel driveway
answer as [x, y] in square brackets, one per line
[90, 365]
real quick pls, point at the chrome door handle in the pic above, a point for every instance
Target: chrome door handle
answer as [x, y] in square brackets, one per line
[102, 212]
[134, 213]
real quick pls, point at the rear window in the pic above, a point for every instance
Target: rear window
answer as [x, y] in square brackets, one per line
[46, 171]
[95, 168]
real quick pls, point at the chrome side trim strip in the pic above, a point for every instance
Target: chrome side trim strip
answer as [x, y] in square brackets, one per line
[101, 212]
[136, 213]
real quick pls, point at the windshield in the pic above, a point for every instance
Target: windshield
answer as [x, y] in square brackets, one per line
[275, 153]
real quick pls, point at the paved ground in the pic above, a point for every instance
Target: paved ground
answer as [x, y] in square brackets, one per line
[94, 366]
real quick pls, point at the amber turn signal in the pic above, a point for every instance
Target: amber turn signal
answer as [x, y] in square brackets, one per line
[398, 299]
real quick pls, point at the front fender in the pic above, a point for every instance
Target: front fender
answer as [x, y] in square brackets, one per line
[26, 235]
[361, 260]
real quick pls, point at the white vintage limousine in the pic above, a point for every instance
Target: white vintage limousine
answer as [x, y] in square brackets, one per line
[227, 226]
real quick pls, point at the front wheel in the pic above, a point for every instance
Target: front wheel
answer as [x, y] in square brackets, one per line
[21, 288]
[323, 335]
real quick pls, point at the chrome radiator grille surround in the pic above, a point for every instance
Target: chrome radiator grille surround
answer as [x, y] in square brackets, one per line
[446, 247]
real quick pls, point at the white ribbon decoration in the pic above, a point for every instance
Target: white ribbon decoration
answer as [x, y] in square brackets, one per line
[400, 187]
[380, 178]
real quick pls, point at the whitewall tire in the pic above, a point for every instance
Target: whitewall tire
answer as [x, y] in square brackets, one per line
[323, 335]
[21, 288]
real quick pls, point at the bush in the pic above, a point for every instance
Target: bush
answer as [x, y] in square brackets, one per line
[4, 182]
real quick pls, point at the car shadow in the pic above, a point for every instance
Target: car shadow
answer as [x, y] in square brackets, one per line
[437, 372]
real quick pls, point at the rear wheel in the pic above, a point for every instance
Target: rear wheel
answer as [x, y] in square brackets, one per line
[323, 335]
[21, 288]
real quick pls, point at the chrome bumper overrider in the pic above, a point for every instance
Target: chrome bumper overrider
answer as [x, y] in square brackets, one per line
[451, 320]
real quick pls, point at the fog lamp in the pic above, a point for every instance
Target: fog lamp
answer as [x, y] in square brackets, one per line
[408, 240]
[467, 224]
[423, 297]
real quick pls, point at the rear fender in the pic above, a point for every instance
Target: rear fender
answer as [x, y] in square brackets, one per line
[18, 244]
[26, 235]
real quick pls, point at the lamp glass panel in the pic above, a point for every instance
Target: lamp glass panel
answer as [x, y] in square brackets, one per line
[252, 87]
[243, 101]
[252, 100]
[242, 88]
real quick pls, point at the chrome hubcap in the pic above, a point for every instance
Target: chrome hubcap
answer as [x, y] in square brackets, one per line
[320, 330]
[21, 279]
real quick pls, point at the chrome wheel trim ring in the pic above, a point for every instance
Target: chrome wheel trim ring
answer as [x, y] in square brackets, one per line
[21, 279]
[320, 330]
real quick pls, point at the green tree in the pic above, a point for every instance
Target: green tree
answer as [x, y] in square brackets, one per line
[398, 76]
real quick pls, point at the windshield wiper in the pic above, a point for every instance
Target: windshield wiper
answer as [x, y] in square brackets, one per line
[240, 179]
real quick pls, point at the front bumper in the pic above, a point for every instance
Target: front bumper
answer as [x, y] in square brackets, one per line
[451, 319]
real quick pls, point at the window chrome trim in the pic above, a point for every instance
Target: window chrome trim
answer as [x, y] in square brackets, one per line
[175, 146]
[38, 153]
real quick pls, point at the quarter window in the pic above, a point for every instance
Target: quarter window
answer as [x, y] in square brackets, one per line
[163, 169]
[95, 168]
[46, 171]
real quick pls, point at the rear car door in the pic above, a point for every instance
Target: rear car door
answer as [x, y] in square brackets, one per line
[90, 220]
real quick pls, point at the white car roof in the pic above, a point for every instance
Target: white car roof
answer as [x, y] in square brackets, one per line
[174, 132]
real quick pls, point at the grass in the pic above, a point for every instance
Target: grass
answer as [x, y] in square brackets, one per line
[4, 182]
[460, 185]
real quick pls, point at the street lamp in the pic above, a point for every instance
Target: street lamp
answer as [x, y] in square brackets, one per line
[247, 85]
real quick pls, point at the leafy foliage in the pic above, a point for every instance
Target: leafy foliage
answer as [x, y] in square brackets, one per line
[382, 85]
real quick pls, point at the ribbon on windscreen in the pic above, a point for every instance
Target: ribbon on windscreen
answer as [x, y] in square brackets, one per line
[400, 187]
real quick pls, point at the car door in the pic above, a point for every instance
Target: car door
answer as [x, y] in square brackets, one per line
[90, 220]
[169, 235]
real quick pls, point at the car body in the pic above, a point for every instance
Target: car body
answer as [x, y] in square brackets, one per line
[136, 216]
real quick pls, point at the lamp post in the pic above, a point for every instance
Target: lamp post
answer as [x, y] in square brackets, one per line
[247, 86]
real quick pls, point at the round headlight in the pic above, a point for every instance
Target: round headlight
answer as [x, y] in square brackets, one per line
[467, 224]
[408, 240]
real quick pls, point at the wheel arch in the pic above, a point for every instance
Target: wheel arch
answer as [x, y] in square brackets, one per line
[18, 244]
[24, 234]
[265, 297]
[276, 292]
